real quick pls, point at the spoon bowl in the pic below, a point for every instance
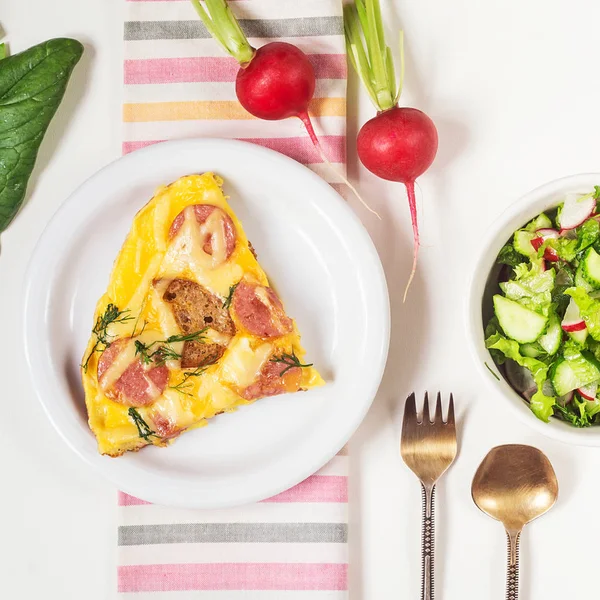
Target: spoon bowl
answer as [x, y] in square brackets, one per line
[514, 484]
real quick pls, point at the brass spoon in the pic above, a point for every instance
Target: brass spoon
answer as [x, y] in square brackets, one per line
[514, 484]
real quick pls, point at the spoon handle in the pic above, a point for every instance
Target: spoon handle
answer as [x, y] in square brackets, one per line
[427, 542]
[512, 575]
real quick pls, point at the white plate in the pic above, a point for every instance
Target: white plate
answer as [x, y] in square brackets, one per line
[318, 256]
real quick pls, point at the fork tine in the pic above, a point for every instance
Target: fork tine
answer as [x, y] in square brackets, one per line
[426, 413]
[410, 411]
[438, 410]
[450, 419]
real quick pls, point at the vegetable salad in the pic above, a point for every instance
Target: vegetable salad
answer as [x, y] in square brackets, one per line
[545, 332]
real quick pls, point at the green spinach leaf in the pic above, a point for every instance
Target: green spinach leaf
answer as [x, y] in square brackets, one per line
[32, 84]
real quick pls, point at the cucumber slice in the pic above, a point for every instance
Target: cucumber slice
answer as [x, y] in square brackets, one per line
[579, 337]
[568, 375]
[590, 267]
[519, 323]
[531, 350]
[540, 222]
[550, 341]
[522, 243]
[580, 279]
[563, 378]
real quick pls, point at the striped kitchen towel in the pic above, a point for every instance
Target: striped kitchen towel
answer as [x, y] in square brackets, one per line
[178, 84]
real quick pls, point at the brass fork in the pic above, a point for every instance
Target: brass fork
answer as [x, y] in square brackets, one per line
[428, 447]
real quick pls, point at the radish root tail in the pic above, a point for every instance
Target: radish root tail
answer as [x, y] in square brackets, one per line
[315, 140]
[412, 204]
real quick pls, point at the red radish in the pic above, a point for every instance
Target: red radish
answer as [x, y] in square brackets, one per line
[576, 210]
[547, 234]
[399, 143]
[588, 391]
[275, 81]
[537, 242]
[549, 253]
[572, 320]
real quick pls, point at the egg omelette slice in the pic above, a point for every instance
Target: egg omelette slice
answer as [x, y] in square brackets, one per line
[189, 326]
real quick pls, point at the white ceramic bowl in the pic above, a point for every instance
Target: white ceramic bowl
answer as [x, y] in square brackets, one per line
[479, 300]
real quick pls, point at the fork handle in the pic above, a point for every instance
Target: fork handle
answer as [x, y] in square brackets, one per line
[427, 542]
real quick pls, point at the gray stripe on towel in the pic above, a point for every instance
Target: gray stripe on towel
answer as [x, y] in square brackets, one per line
[194, 533]
[254, 28]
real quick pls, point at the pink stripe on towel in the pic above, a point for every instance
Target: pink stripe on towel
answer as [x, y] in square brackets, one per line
[203, 69]
[232, 576]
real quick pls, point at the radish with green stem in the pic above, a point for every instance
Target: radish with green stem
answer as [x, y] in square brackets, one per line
[399, 143]
[275, 81]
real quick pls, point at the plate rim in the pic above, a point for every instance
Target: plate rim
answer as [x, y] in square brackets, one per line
[36, 261]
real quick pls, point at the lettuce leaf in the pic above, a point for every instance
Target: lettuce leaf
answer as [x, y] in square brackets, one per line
[579, 412]
[509, 256]
[541, 405]
[531, 287]
[587, 234]
[566, 248]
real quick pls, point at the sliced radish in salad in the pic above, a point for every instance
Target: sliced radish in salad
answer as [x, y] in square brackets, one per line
[572, 320]
[550, 254]
[548, 234]
[537, 242]
[575, 211]
[588, 391]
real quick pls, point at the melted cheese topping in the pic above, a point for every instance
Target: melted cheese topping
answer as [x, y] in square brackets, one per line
[214, 227]
[217, 337]
[164, 314]
[241, 365]
[173, 407]
[148, 261]
[186, 253]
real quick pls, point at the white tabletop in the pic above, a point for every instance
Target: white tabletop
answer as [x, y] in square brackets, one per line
[514, 90]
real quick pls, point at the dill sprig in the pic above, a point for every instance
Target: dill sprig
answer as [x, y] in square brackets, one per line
[197, 336]
[159, 355]
[291, 360]
[185, 384]
[112, 314]
[229, 298]
[143, 428]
